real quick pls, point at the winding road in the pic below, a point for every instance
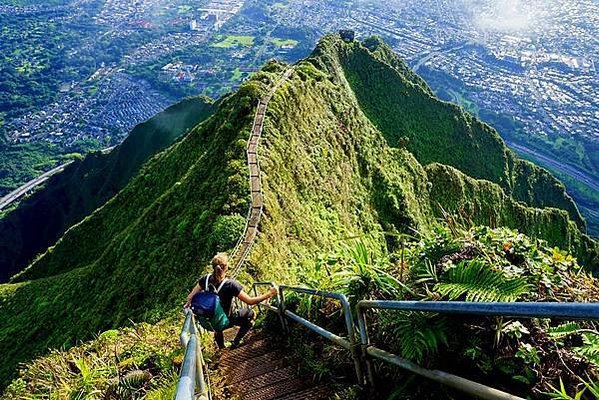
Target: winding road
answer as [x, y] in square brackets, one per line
[588, 180]
[32, 184]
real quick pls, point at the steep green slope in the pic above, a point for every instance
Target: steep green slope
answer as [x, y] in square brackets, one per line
[404, 109]
[480, 202]
[133, 257]
[85, 185]
[328, 173]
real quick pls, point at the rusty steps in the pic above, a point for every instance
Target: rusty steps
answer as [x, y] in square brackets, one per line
[259, 370]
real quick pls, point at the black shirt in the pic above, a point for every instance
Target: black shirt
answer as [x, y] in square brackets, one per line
[230, 290]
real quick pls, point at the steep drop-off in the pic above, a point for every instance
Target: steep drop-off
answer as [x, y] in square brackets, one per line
[329, 173]
[85, 185]
[403, 108]
[132, 258]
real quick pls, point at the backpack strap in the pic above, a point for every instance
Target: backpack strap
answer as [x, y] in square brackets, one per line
[221, 285]
[206, 288]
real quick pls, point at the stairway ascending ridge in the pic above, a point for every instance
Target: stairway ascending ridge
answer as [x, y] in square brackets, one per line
[250, 232]
[259, 370]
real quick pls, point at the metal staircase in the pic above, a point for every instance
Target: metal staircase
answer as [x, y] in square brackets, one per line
[259, 370]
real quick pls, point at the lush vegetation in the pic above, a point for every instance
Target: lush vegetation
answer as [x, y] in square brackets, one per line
[579, 152]
[482, 202]
[87, 184]
[401, 105]
[524, 357]
[134, 257]
[329, 173]
[131, 363]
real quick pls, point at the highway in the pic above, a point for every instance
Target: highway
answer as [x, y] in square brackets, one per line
[32, 184]
[17, 193]
[588, 180]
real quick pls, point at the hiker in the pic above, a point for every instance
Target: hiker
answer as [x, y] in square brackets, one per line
[219, 316]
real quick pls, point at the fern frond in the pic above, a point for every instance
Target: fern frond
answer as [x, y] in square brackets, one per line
[418, 334]
[562, 330]
[478, 282]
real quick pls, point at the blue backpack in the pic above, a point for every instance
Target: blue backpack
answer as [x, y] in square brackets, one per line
[208, 310]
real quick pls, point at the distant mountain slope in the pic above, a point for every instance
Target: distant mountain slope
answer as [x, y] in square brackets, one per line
[329, 173]
[84, 186]
[404, 109]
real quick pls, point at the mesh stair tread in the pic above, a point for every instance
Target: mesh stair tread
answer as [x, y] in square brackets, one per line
[245, 352]
[269, 378]
[276, 390]
[313, 393]
[255, 366]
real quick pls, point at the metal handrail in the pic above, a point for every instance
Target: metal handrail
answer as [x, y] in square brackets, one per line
[192, 371]
[268, 306]
[348, 343]
[586, 311]
[531, 310]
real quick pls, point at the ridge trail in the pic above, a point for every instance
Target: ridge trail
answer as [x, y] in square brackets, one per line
[259, 370]
[250, 231]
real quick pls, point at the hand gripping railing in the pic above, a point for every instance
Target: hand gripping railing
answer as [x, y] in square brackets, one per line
[192, 371]
[348, 343]
[530, 310]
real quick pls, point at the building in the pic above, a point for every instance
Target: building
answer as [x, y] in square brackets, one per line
[347, 35]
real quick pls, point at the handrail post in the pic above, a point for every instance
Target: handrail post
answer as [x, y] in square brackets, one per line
[349, 325]
[364, 343]
[282, 309]
[270, 307]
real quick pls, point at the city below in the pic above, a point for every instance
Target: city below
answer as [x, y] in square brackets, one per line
[527, 69]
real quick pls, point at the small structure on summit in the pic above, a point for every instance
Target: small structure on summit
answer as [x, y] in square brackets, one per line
[347, 35]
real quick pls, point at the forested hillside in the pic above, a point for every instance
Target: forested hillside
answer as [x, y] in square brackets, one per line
[87, 184]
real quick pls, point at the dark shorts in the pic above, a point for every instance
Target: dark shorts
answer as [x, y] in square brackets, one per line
[241, 317]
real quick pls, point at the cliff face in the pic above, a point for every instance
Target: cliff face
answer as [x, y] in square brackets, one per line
[406, 112]
[336, 163]
[355, 143]
[85, 185]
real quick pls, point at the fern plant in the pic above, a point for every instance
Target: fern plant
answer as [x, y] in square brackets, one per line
[476, 281]
[563, 330]
[590, 348]
[590, 340]
[416, 333]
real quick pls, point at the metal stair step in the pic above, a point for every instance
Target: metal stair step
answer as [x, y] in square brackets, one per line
[269, 378]
[230, 333]
[275, 390]
[255, 367]
[245, 352]
[313, 393]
